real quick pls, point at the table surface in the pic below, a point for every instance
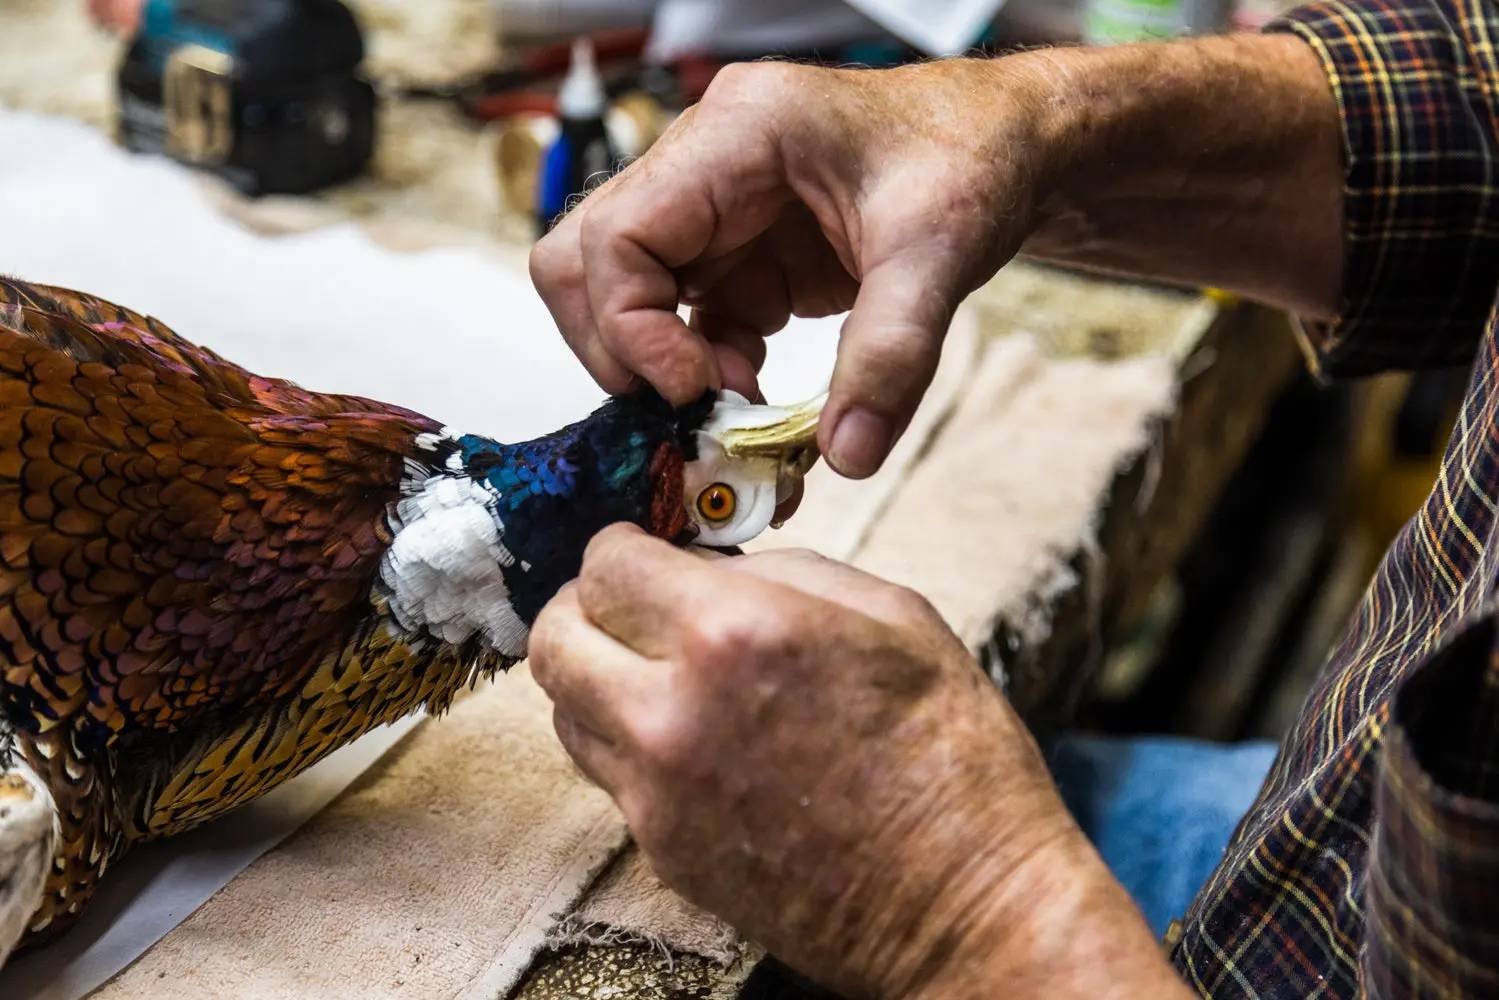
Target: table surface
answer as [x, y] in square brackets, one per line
[434, 182]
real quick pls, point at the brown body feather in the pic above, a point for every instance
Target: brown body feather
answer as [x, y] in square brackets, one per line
[187, 554]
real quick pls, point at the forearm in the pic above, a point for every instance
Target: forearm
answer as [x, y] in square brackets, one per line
[1213, 162]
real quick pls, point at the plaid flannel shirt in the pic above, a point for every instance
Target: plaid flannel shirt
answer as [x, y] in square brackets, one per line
[1369, 866]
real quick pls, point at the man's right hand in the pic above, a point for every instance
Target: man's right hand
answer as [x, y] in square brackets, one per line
[792, 190]
[894, 193]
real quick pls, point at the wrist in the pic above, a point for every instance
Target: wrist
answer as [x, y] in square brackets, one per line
[1002, 894]
[1059, 927]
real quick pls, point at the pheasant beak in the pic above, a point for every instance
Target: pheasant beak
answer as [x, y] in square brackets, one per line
[748, 460]
[785, 434]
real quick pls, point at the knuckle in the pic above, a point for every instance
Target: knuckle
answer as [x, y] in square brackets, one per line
[542, 629]
[807, 557]
[605, 549]
[722, 638]
[541, 648]
[551, 286]
[914, 608]
[545, 260]
[785, 564]
[603, 558]
[765, 92]
[667, 739]
[607, 219]
[594, 224]
[551, 624]
[557, 272]
[742, 83]
[714, 639]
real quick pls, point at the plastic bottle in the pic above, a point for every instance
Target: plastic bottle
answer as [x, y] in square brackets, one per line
[582, 153]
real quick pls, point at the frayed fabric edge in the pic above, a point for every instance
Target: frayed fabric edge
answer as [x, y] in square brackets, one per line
[724, 951]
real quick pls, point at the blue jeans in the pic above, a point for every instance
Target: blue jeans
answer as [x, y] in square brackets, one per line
[1159, 809]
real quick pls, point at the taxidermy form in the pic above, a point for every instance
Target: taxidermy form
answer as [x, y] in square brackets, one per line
[210, 580]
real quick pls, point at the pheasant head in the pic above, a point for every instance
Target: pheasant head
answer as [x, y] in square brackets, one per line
[486, 533]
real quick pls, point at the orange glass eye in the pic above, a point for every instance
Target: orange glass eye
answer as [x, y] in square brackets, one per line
[716, 503]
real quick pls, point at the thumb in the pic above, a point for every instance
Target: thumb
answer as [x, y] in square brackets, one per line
[887, 355]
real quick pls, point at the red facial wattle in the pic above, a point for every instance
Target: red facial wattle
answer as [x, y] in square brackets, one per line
[668, 509]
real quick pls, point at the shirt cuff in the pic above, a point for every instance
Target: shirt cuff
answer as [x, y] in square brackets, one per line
[1421, 225]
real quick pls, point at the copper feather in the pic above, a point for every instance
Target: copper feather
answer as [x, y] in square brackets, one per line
[187, 555]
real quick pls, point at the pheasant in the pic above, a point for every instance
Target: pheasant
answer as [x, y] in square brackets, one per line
[210, 580]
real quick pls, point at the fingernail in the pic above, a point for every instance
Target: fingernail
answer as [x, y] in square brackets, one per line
[860, 441]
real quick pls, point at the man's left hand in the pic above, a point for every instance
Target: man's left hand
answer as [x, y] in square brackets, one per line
[811, 754]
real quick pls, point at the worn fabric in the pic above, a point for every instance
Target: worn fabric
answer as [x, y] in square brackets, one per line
[441, 873]
[1369, 864]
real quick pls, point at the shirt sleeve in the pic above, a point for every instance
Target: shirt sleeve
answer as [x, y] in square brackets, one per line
[1432, 895]
[1417, 87]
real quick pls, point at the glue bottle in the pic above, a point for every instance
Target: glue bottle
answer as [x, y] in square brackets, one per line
[582, 154]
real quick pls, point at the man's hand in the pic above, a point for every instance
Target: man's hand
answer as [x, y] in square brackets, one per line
[894, 193]
[811, 754]
[793, 190]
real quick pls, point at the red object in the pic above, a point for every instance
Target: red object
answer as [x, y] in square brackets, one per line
[608, 46]
[546, 63]
[508, 104]
[693, 74]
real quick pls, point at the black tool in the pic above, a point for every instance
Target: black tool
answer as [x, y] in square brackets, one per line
[267, 94]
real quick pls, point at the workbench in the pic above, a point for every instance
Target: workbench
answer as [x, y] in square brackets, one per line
[1096, 420]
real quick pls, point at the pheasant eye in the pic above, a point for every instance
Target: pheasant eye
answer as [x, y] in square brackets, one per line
[716, 503]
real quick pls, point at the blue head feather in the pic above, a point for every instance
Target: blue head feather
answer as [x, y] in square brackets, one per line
[556, 492]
